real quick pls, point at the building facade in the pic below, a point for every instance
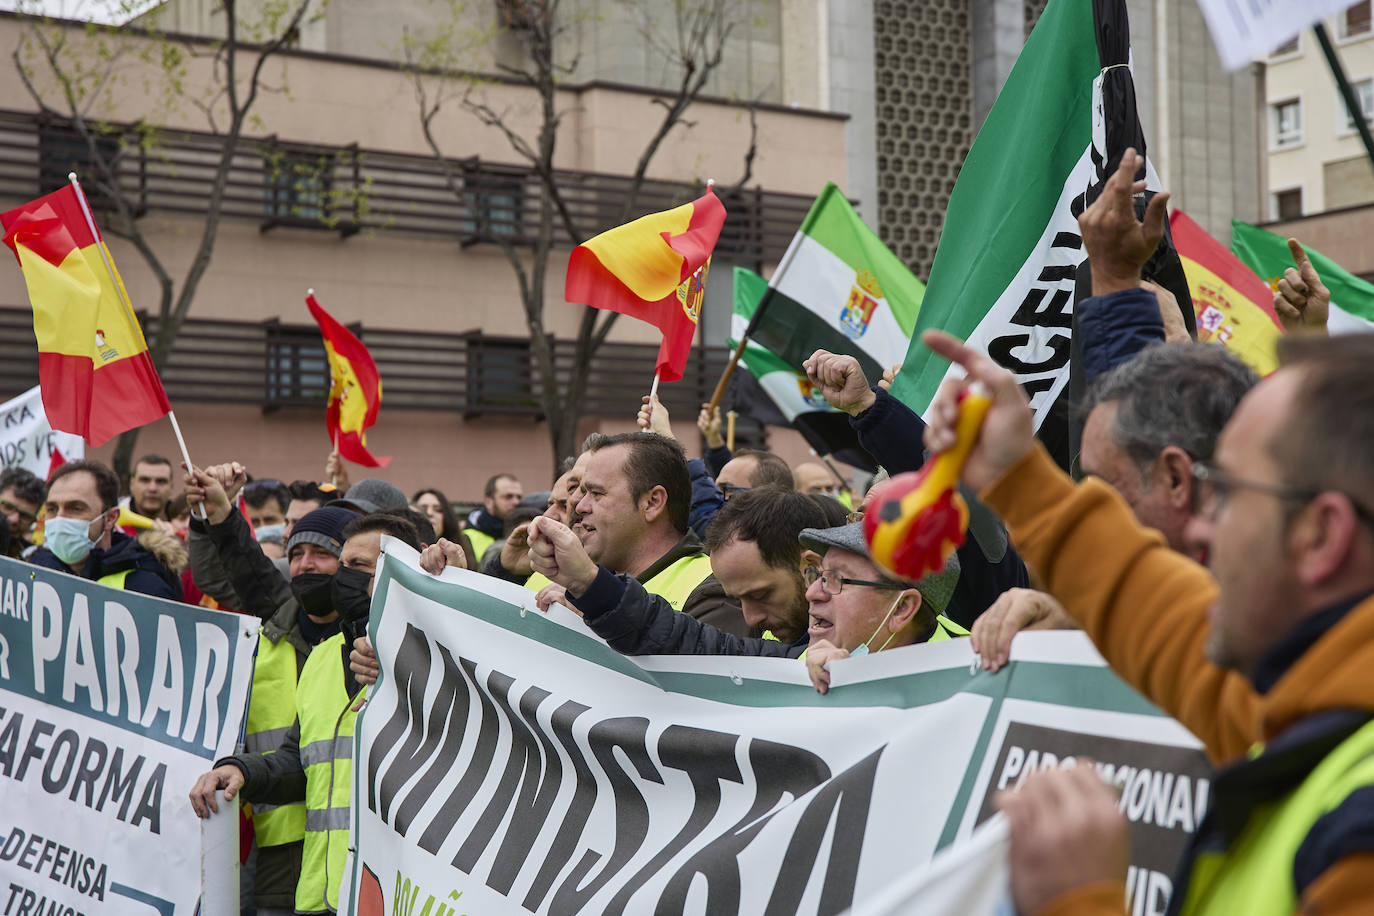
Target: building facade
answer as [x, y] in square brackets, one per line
[1320, 185]
[337, 189]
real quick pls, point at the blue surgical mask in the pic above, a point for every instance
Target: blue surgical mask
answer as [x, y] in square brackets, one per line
[269, 530]
[864, 650]
[68, 538]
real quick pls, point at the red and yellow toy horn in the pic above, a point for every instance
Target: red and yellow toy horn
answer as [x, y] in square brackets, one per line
[917, 519]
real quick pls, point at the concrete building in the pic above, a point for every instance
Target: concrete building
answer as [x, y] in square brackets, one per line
[1320, 185]
[339, 190]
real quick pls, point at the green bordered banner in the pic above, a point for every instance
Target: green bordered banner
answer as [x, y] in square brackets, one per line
[111, 704]
[511, 762]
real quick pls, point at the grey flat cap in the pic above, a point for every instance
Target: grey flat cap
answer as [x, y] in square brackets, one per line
[372, 495]
[935, 588]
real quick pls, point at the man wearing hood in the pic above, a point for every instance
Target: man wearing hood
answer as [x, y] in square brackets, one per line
[80, 536]
[297, 615]
[312, 762]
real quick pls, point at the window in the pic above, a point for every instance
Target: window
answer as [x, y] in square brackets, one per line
[497, 202]
[499, 374]
[1291, 46]
[61, 149]
[1286, 204]
[1286, 118]
[297, 367]
[1356, 21]
[1364, 91]
[298, 186]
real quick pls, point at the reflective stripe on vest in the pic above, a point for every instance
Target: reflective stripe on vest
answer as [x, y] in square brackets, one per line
[1255, 875]
[271, 713]
[480, 541]
[945, 629]
[115, 579]
[676, 583]
[323, 706]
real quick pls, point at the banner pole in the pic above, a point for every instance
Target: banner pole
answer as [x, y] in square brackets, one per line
[129, 314]
[754, 322]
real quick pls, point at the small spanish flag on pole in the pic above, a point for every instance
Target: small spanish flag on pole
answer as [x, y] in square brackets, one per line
[653, 269]
[96, 376]
[355, 391]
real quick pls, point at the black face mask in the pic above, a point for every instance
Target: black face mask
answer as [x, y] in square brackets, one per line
[314, 592]
[350, 597]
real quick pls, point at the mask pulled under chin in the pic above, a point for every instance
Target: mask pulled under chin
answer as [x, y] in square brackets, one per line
[315, 593]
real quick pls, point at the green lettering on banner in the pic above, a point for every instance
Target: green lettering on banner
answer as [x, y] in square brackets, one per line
[408, 893]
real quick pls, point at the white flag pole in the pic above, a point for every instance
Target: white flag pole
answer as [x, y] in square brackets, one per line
[128, 314]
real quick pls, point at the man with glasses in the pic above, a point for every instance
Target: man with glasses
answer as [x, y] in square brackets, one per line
[21, 496]
[1266, 659]
[855, 608]
[848, 606]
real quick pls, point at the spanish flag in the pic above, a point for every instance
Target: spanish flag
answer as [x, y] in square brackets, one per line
[355, 391]
[93, 365]
[653, 269]
[1234, 307]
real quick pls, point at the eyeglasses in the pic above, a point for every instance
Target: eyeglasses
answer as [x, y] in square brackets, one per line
[7, 507]
[1212, 487]
[731, 489]
[832, 583]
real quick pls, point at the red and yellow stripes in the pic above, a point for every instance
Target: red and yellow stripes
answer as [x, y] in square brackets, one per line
[652, 269]
[93, 365]
[355, 393]
[1234, 307]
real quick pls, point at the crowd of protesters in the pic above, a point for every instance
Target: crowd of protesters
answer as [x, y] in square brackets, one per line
[1219, 552]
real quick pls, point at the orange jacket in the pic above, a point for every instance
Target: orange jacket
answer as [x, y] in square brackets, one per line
[1145, 608]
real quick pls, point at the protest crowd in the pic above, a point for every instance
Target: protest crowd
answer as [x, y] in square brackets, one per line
[1206, 523]
[1218, 550]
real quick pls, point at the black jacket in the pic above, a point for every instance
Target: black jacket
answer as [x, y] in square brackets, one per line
[634, 622]
[275, 778]
[154, 561]
[892, 433]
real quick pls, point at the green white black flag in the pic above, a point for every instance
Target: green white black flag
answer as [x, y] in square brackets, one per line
[839, 288]
[1004, 273]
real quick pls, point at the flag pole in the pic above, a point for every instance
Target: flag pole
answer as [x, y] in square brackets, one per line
[333, 478]
[730, 429]
[129, 314]
[653, 389]
[753, 322]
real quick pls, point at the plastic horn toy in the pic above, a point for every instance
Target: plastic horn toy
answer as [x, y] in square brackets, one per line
[917, 519]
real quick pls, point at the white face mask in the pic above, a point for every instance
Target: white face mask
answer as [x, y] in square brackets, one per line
[863, 649]
[69, 538]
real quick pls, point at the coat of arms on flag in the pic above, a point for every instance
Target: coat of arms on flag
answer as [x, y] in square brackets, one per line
[863, 301]
[691, 291]
[810, 395]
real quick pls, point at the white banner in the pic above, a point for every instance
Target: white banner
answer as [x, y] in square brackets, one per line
[509, 762]
[111, 704]
[26, 439]
[1253, 29]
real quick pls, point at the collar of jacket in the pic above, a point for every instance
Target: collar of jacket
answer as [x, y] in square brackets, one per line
[1332, 672]
[689, 546]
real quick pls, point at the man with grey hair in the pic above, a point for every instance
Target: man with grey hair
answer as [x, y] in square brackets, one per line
[1148, 420]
